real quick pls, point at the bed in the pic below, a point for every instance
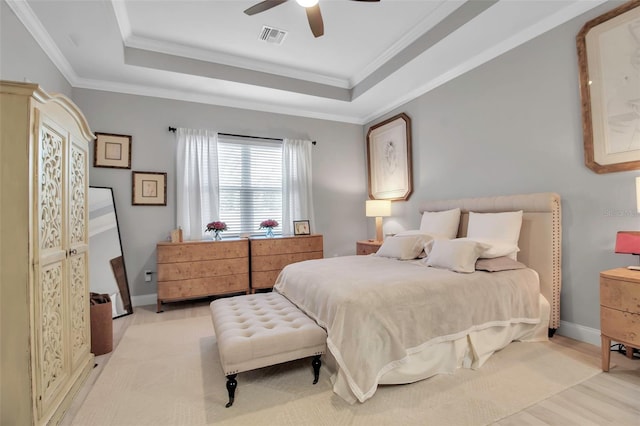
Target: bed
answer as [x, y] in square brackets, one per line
[393, 321]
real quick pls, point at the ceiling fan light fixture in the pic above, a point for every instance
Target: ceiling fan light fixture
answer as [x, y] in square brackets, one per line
[307, 3]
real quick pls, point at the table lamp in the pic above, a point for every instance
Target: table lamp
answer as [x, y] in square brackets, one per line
[378, 209]
[628, 242]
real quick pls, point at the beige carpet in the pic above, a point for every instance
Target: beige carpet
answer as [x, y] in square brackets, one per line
[169, 373]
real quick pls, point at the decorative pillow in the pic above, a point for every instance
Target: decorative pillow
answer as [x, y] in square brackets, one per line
[501, 227]
[496, 248]
[442, 224]
[498, 264]
[428, 239]
[402, 247]
[456, 255]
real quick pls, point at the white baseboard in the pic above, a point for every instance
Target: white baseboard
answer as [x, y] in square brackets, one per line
[580, 332]
[145, 299]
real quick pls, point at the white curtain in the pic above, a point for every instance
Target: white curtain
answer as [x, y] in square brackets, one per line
[197, 181]
[297, 197]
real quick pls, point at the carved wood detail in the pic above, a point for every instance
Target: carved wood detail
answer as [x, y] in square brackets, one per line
[51, 155]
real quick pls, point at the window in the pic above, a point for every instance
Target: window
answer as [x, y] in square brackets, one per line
[250, 183]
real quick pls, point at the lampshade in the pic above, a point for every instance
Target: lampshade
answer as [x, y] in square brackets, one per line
[628, 242]
[307, 3]
[378, 208]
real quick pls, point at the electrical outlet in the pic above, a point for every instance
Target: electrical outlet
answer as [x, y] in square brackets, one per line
[147, 276]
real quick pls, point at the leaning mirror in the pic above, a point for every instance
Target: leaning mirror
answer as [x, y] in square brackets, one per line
[107, 273]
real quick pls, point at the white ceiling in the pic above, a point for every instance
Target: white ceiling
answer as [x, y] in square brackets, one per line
[372, 58]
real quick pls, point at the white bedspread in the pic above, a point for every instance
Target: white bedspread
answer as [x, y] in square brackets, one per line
[377, 310]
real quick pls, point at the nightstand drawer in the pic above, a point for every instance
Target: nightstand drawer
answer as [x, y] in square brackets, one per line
[620, 325]
[620, 295]
[367, 247]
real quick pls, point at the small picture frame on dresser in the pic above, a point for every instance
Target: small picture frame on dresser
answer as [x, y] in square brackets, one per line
[301, 227]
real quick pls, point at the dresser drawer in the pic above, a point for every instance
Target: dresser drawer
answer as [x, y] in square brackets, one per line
[621, 295]
[620, 325]
[194, 251]
[202, 269]
[279, 261]
[202, 287]
[300, 244]
[265, 279]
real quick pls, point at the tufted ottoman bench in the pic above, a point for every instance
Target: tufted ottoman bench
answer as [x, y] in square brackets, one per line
[263, 329]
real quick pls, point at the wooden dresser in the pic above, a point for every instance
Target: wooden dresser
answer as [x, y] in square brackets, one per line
[195, 269]
[270, 255]
[619, 311]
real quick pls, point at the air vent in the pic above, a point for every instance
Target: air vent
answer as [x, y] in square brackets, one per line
[272, 35]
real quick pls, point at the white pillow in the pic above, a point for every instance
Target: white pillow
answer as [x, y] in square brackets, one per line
[428, 239]
[496, 248]
[458, 255]
[402, 247]
[443, 224]
[503, 227]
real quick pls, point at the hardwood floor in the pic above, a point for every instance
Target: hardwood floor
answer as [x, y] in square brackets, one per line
[606, 399]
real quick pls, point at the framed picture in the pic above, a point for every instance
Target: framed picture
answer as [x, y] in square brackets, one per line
[301, 227]
[609, 62]
[149, 189]
[112, 151]
[389, 159]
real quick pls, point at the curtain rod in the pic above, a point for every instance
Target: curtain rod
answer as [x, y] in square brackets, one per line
[173, 129]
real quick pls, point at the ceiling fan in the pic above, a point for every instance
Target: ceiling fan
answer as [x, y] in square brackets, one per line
[312, 7]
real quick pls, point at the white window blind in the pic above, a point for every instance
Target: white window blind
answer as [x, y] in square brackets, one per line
[250, 184]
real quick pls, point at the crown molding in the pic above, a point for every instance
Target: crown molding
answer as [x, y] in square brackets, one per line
[181, 95]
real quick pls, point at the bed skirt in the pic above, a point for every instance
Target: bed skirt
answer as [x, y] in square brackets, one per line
[470, 351]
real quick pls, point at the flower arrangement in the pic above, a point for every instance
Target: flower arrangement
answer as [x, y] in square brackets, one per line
[216, 226]
[269, 223]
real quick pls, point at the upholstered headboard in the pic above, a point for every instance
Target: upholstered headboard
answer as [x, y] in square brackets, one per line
[540, 236]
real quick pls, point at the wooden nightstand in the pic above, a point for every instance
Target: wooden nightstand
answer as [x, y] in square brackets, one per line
[619, 311]
[367, 246]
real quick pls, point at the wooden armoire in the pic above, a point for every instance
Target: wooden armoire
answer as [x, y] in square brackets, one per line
[44, 297]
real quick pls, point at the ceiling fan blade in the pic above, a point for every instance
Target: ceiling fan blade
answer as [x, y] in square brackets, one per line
[315, 20]
[262, 6]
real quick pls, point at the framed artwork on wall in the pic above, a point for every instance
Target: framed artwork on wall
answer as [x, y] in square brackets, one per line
[389, 159]
[149, 189]
[301, 227]
[609, 61]
[111, 150]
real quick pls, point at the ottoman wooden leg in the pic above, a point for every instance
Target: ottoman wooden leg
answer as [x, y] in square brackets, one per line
[316, 364]
[232, 384]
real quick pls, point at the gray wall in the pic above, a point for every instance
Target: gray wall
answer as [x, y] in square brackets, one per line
[512, 126]
[339, 181]
[22, 59]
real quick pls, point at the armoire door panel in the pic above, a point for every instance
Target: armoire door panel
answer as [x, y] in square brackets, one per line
[80, 339]
[52, 365]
